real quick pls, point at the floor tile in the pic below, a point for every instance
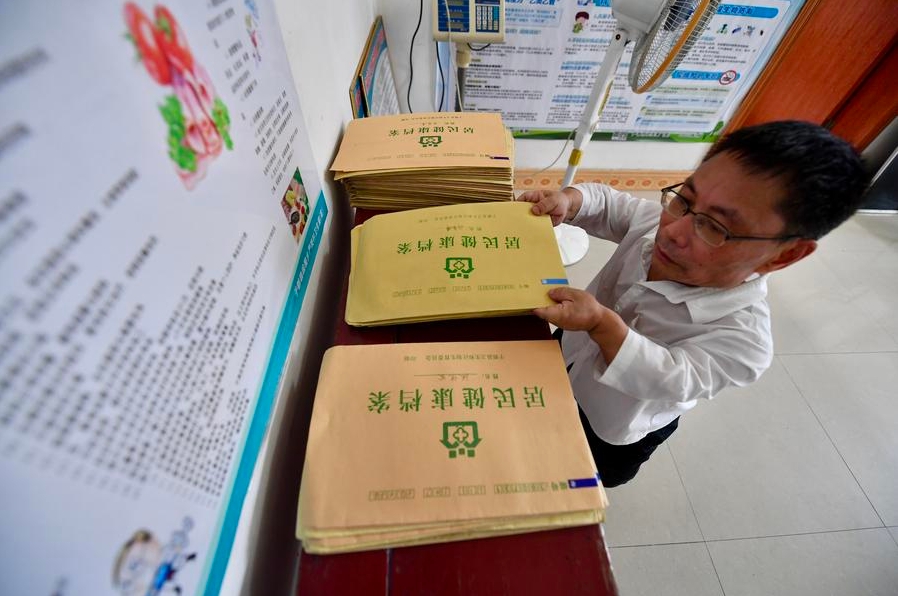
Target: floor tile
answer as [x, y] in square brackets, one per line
[668, 570]
[814, 311]
[863, 232]
[853, 396]
[859, 244]
[856, 563]
[840, 299]
[863, 258]
[894, 532]
[652, 508]
[756, 462]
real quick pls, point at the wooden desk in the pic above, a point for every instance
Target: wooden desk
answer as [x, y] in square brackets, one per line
[566, 561]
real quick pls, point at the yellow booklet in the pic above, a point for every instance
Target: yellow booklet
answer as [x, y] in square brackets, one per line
[458, 261]
[405, 161]
[433, 442]
[424, 140]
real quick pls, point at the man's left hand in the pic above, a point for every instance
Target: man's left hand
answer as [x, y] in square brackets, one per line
[576, 310]
[580, 311]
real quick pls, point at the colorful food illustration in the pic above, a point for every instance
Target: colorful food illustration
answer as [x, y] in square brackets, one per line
[252, 29]
[198, 121]
[295, 204]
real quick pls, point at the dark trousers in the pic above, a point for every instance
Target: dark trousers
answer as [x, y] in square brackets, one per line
[618, 464]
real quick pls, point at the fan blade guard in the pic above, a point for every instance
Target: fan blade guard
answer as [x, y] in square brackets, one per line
[678, 26]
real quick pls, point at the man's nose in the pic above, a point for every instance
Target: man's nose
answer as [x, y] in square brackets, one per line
[681, 230]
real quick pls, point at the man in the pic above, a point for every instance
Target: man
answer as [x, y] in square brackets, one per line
[679, 311]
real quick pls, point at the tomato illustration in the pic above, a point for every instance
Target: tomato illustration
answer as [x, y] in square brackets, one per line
[144, 35]
[172, 40]
[198, 120]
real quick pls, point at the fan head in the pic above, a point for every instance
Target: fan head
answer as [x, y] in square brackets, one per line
[637, 16]
[673, 33]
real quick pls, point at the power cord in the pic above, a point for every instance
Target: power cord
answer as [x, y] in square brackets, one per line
[411, 66]
[436, 46]
[566, 141]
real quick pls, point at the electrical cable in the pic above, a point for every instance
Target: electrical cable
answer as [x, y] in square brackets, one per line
[448, 24]
[560, 153]
[411, 66]
[480, 49]
[436, 45]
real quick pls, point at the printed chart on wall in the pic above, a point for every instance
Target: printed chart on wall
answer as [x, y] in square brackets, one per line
[373, 91]
[541, 78]
[160, 214]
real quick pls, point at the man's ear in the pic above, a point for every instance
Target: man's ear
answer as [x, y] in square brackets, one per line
[792, 252]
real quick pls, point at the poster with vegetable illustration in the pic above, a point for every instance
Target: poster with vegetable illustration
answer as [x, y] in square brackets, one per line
[198, 121]
[161, 214]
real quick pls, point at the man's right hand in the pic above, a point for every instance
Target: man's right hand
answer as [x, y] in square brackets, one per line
[560, 205]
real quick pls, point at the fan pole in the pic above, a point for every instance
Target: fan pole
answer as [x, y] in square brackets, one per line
[600, 91]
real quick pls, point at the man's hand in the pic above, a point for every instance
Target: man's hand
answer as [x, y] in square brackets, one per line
[580, 311]
[576, 310]
[560, 205]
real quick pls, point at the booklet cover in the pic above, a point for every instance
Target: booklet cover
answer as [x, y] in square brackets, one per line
[426, 160]
[424, 140]
[458, 261]
[431, 442]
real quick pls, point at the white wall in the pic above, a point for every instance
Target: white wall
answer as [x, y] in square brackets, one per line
[400, 19]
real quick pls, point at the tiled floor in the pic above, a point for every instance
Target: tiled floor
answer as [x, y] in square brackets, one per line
[788, 487]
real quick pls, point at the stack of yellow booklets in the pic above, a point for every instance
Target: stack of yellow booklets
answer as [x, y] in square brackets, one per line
[459, 261]
[405, 161]
[435, 442]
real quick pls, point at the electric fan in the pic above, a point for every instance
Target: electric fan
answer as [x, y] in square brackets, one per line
[664, 31]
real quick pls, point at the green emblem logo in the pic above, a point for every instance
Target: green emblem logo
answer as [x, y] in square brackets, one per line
[430, 140]
[460, 438]
[459, 267]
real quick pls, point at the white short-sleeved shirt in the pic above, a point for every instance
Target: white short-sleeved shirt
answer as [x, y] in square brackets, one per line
[685, 343]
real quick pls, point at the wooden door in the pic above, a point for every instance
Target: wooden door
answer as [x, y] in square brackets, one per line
[837, 66]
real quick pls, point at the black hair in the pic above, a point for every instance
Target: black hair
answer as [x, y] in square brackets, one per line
[822, 174]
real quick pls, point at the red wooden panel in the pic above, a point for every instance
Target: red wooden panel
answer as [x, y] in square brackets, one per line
[873, 105]
[821, 62]
[568, 561]
[358, 574]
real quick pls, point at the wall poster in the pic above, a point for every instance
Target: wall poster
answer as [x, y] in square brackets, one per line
[160, 215]
[541, 77]
[373, 91]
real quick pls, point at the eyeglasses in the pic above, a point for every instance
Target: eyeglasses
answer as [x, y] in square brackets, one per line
[706, 227]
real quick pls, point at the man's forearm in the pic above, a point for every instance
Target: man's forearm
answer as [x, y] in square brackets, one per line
[610, 334]
[576, 198]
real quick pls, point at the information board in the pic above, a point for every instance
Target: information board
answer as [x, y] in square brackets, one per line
[373, 92]
[541, 78]
[160, 215]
